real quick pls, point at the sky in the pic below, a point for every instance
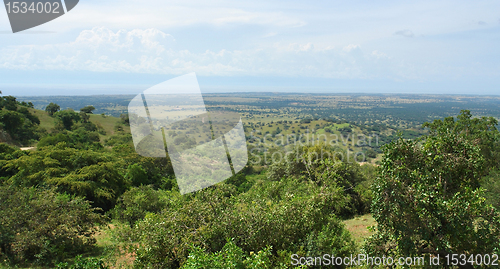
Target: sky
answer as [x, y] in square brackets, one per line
[125, 47]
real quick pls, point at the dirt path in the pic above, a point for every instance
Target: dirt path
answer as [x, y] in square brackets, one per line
[27, 148]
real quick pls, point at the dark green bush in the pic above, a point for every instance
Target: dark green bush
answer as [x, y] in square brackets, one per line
[84, 263]
[42, 226]
[135, 203]
[86, 173]
[277, 214]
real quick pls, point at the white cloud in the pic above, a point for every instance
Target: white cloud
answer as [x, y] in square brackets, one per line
[130, 14]
[351, 47]
[405, 33]
[153, 51]
[150, 51]
[378, 54]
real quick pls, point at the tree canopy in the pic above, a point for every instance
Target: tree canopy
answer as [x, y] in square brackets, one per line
[52, 108]
[428, 199]
[87, 109]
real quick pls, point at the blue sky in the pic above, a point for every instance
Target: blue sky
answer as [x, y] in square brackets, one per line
[127, 46]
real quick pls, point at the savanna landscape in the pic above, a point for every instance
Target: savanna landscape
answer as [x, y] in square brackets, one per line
[339, 174]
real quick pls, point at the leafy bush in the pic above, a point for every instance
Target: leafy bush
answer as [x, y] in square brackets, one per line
[324, 167]
[79, 139]
[84, 263]
[135, 203]
[428, 200]
[8, 153]
[119, 139]
[277, 214]
[491, 184]
[231, 256]
[332, 239]
[17, 121]
[93, 175]
[42, 226]
[136, 175]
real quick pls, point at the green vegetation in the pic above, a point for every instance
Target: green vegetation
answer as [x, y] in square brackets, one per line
[231, 256]
[41, 225]
[52, 108]
[17, 124]
[428, 198]
[87, 109]
[83, 198]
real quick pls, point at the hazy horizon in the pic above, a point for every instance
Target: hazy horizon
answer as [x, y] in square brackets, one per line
[124, 47]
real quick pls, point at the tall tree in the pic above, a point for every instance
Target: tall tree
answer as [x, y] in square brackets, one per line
[427, 198]
[87, 109]
[52, 108]
[67, 118]
[478, 131]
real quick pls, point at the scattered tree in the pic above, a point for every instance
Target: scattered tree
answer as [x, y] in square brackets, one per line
[52, 108]
[67, 118]
[87, 109]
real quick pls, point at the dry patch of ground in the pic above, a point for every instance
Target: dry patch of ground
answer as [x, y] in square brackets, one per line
[358, 227]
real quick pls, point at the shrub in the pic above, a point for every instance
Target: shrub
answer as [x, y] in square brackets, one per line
[135, 203]
[231, 256]
[42, 226]
[84, 263]
[278, 214]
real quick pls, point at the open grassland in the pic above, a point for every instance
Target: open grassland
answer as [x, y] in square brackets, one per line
[46, 121]
[108, 123]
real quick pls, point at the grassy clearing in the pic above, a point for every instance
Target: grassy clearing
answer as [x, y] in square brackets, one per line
[46, 121]
[358, 227]
[108, 123]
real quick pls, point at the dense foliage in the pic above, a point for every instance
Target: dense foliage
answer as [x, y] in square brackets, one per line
[428, 198]
[42, 226]
[432, 194]
[291, 216]
[17, 124]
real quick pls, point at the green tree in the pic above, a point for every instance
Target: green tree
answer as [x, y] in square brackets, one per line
[137, 175]
[11, 121]
[93, 175]
[43, 226]
[482, 132]
[137, 202]
[323, 166]
[67, 118]
[491, 184]
[20, 124]
[125, 119]
[427, 198]
[10, 103]
[84, 117]
[87, 109]
[52, 108]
